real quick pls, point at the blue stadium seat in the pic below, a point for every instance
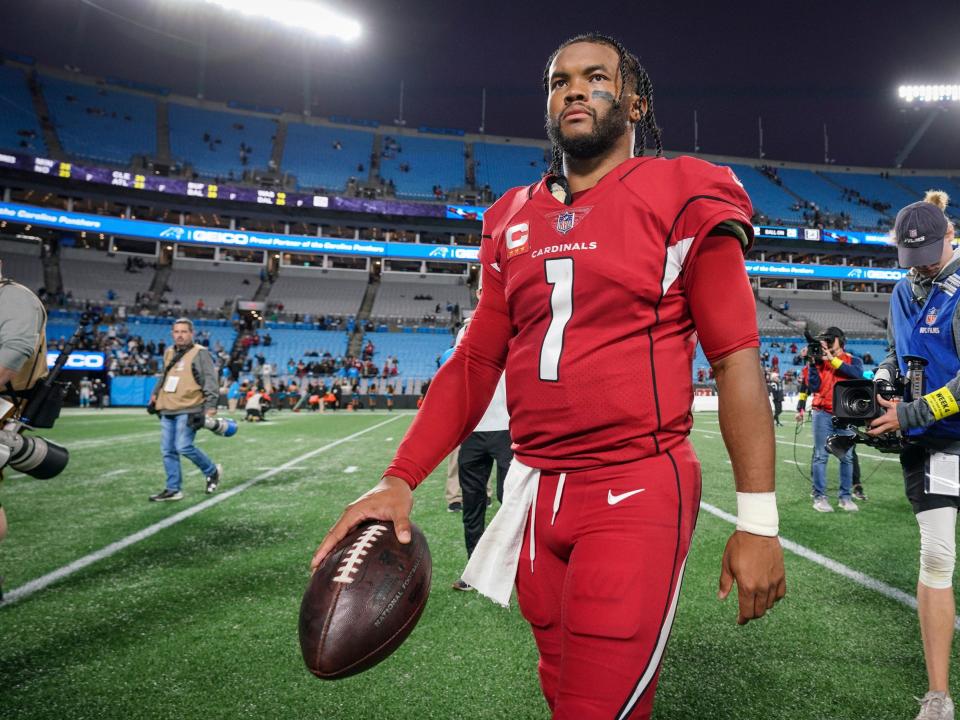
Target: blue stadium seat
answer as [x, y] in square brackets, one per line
[874, 187]
[293, 343]
[106, 125]
[431, 162]
[326, 157]
[505, 166]
[210, 140]
[919, 184]
[767, 197]
[828, 197]
[19, 127]
[416, 352]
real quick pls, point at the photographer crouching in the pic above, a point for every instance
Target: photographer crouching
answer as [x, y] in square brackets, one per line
[29, 396]
[827, 363]
[185, 397]
[923, 334]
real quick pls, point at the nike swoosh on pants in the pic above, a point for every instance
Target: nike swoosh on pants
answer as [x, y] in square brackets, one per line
[614, 499]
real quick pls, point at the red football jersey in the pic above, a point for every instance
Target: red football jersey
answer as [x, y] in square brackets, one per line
[592, 308]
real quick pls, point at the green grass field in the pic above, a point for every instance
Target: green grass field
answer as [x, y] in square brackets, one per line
[199, 620]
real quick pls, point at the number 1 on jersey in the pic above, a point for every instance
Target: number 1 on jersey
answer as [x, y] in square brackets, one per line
[559, 272]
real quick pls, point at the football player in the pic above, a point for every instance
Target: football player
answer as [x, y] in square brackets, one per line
[596, 281]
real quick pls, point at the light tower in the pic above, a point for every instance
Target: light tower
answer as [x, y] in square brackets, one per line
[936, 99]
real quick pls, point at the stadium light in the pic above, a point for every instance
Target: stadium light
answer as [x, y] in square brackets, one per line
[299, 14]
[929, 93]
[936, 99]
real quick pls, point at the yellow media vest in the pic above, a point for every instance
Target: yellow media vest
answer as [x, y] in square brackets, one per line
[186, 393]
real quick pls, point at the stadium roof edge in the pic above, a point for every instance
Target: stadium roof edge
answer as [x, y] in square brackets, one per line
[400, 131]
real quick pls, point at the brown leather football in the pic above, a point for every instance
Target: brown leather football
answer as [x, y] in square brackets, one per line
[363, 600]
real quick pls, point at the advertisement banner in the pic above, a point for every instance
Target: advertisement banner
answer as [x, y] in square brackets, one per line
[79, 360]
[147, 230]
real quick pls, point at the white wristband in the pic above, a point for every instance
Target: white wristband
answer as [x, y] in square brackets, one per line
[757, 513]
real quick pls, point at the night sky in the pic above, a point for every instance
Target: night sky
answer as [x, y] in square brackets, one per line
[798, 65]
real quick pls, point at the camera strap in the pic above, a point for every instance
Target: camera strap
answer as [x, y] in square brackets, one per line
[177, 357]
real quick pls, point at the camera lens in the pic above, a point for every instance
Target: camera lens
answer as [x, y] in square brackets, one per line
[860, 406]
[858, 403]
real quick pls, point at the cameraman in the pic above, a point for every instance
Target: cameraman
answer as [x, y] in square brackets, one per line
[827, 362]
[924, 322]
[186, 392]
[23, 354]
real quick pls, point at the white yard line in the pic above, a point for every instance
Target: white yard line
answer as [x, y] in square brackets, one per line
[872, 456]
[110, 440]
[351, 469]
[33, 586]
[114, 473]
[833, 566]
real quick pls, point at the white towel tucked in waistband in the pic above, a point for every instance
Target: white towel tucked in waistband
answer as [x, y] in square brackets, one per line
[493, 566]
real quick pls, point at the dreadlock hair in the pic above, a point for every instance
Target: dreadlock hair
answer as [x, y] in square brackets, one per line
[629, 69]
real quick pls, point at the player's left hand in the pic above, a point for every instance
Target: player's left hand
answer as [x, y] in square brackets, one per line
[755, 562]
[888, 422]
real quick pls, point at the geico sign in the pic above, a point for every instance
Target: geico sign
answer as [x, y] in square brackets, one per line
[78, 361]
[227, 238]
[466, 254]
[884, 274]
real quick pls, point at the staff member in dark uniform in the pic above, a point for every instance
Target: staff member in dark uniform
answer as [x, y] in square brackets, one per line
[186, 392]
[924, 323]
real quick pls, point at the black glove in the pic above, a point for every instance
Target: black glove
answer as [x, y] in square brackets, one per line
[152, 408]
[195, 421]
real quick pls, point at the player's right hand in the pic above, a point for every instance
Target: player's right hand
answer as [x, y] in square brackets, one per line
[800, 416]
[391, 499]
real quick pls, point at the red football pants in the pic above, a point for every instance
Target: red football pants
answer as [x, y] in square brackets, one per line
[602, 590]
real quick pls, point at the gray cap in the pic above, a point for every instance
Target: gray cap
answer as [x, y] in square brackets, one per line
[919, 230]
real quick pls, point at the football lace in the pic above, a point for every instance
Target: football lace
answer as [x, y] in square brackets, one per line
[354, 558]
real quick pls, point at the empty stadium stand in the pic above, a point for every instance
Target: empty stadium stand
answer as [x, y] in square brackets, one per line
[21, 262]
[416, 164]
[312, 291]
[767, 197]
[19, 126]
[396, 301]
[220, 144]
[874, 187]
[294, 344]
[876, 305]
[919, 184]
[89, 274]
[214, 283]
[828, 196]
[820, 309]
[326, 157]
[101, 124]
[505, 165]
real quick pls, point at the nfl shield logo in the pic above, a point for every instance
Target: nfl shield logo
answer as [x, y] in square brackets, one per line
[565, 222]
[931, 317]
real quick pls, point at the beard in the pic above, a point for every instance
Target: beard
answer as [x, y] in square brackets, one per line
[607, 129]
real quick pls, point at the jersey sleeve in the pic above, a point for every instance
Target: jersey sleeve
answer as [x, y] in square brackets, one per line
[721, 300]
[462, 388]
[712, 196]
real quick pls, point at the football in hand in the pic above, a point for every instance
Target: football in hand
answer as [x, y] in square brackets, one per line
[363, 600]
